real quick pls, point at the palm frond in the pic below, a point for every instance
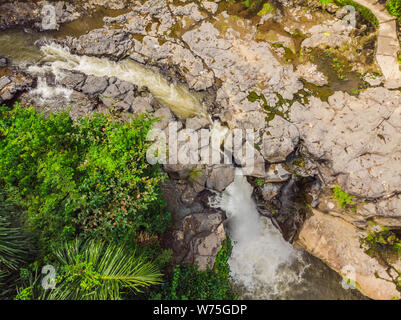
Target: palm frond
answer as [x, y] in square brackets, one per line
[102, 271]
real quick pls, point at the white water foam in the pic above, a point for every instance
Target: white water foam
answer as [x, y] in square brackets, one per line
[175, 96]
[262, 262]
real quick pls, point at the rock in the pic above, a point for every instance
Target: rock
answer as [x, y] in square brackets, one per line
[3, 82]
[71, 79]
[101, 42]
[196, 123]
[310, 73]
[165, 115]
[277, 173]
[210, 6]
[94, 86]
[333, 33]
[337, 242]
[3, 62]
[198, 238]
[280, 140]
[271, 190]
[220, 178]
[358, 137]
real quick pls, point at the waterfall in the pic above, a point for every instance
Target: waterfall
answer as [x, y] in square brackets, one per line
[263, 265]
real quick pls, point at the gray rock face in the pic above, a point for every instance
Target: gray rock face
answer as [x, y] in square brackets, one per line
[29, 14]
[12, 85]
[280, 140]
[198, 238]
[101, 42]
[3, 62]
[242, 66]
[220, 178]
[94, 86]
[360, 137]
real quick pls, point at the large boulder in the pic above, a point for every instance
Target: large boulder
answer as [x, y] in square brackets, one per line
[337, 242]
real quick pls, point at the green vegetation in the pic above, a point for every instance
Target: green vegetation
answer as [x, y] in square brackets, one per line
[188, 283]
[366, 13]
[385, 246]
[394, 8]
[344, 199]
[88, 178]
[92, 207]
[259, 182]
[267, 8]
[325, 2]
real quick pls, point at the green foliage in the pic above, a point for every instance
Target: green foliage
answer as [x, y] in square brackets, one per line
[15, 246]
[259, 182]
[89, 178]
[267, 8]
[366, 13]
[394, 8]
[325, 2]
[385, 246]
[188, 283]
[343, 198]
[97, 271]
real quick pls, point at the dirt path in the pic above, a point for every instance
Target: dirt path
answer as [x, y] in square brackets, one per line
[388, 44]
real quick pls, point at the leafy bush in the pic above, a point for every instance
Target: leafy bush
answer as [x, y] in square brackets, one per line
[394, 8]
[88, 178]
[188, 283]
[94, 270]
[342, 197]
[15, 246]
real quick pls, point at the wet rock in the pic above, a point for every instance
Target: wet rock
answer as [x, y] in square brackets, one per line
[94, 86]
[13, 85]
[291, 208]
[337, 242]
[220, 178]
[71, 79]
[3, 62]
[198, 238]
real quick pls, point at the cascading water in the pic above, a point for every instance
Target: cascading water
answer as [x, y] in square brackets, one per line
[262, 262]
[175, 96]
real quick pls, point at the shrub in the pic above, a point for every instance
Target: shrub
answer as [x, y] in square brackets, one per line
[188, 283]
[394, 8]
[88, 178]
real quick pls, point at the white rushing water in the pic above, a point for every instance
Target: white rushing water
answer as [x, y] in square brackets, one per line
[177, 97]
[263, 265]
